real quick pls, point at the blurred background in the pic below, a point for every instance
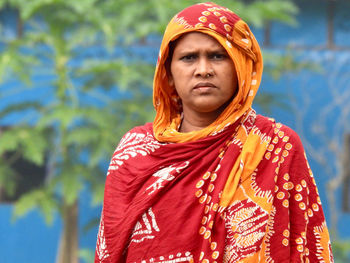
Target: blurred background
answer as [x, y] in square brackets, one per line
[76, 75]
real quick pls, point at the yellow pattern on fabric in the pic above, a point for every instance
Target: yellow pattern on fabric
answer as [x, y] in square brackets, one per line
[254, 147]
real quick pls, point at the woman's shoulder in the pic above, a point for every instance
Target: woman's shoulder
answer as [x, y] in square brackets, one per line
[265, 123]
[146, 128]
[138, 133]
[278, 130]
[139, 141]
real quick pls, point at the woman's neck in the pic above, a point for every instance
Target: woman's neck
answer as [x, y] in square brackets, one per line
[196, 122]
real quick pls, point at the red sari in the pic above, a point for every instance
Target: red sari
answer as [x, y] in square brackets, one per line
[162, 201]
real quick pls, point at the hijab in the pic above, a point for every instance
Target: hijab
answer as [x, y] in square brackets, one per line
[236, 37]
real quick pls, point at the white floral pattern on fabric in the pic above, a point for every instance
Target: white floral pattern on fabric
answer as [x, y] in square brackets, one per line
[165, 174]
[130, 146]
[145, 228]
[245, 224]
[172, 258]
[101, 247]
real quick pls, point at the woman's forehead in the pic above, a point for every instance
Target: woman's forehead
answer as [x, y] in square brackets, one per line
[197, 40]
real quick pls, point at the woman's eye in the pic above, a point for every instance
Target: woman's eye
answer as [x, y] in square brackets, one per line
[188, 58]
[218, 56]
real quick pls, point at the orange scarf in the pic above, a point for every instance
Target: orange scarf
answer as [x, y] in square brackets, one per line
[235, 36]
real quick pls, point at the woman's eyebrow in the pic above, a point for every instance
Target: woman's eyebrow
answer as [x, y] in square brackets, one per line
[210, 50]
[220, 50]
[188, 52]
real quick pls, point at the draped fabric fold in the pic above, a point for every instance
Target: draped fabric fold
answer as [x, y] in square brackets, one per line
[239, 190]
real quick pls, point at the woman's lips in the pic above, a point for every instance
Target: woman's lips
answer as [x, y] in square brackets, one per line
[204, 87]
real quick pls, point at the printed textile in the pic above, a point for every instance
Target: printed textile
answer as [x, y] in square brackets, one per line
[163, 202]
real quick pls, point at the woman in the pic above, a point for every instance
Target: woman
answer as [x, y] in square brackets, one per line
[209, 180]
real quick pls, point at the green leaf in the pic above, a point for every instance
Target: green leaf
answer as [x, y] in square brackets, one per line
[9, 141]
[2, 3]
[26, 203]
[341, 250]
[84, 135]
[87, 255]
[60, 114]
[7, 179]
[40, 198]
[71, 184]
[35, 147]
[19, 108]
[48, 206]
[98, 192]
[13, 61]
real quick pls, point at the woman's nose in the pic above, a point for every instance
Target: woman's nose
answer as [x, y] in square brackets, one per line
[203, 68]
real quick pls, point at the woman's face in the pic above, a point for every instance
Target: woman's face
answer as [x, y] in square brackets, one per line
[202, 73]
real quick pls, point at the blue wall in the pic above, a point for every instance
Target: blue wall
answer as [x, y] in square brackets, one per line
[30, 240]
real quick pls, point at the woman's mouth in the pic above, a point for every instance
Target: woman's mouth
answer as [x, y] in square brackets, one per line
[204, 86]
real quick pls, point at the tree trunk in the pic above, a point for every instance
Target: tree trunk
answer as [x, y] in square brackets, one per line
[68, 247]
[346, 176]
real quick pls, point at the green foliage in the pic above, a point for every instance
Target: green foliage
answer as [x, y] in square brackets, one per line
[87, 255]
[7, 179]
[267, 100]
[10, 60]
[276, 65]
[39, 198]
[30, 142]
[341, 250]
[257, 13]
